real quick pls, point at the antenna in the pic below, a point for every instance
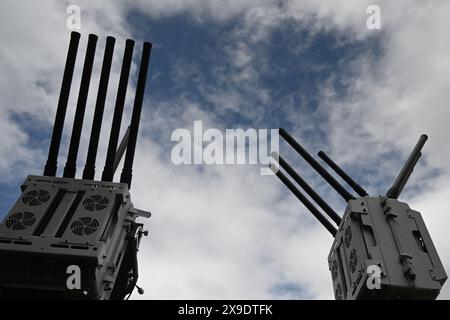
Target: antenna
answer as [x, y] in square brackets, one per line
[313, 163]
[52, 160]
[352, 183]
[127, 172]
[89, 168]
[121, 149]
[399, 183]
[327, 224]
[108, 171]
[310, 191]
[71, 164]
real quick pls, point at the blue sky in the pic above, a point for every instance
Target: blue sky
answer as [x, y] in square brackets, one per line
[311, 67]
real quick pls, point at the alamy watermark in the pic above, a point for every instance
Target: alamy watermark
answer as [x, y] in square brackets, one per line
[73, 281]
[73, 21]
[374, 280]
[373, 21]
[233, 146]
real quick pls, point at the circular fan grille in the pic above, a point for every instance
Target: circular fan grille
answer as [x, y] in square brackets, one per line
[334, 270]
[338, 292]
[353, 260]
[348, 236]
[20, 220]
[95, 203]
[36, 197]
[84, 226]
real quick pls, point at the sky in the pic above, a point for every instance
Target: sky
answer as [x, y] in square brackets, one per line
[313, 67]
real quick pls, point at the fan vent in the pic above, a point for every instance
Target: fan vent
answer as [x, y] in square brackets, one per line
[353, 260]
[348, 237]
[20, 220]
[84, 226]
[334, 270]
[36, 197]
[96, 203]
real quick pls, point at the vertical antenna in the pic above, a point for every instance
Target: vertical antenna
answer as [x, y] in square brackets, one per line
[127, 172]
[352, 183]
[89, 168]
[300, 196]
[52, 160]
[71, 164]
[313, 163]
[310, 191]
[108, 171]
[399, 183]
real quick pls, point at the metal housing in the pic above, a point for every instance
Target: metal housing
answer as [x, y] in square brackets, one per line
[384, 232]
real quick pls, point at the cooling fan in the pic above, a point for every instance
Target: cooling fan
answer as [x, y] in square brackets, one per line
[96, 203]
[36, 197]
[20, 220]
[84, 226]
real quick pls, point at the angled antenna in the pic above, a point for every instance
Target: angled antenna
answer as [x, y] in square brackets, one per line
[127, 172]
[52, 160]
[121, 150]
[352, 183]
[313, 163]
[300, 196]
[399, 183]
[89, 168]
[310, 191]
[71, 164]
[108, 171]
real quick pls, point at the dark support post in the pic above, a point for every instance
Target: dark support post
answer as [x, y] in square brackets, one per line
[71, 164]
[300, 196]
[52, 160]
[313, 163]
[127, 171]
[89, 169]
[108, 171]
[352, 183]
[400, 182]
[310, 191]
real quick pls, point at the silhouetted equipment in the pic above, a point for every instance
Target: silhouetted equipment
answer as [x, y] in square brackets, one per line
[62, 223]
[108, 171]
[89, 169]
[382, 248]
[71, 164]
[51, 165]
[127, 171]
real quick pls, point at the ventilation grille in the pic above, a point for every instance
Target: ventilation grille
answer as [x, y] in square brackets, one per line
[84, 226]
[353, 260]
[96, 203]
[338, 292]
[20, 220]
[348, 237]
[334, 269]
[36, 197]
